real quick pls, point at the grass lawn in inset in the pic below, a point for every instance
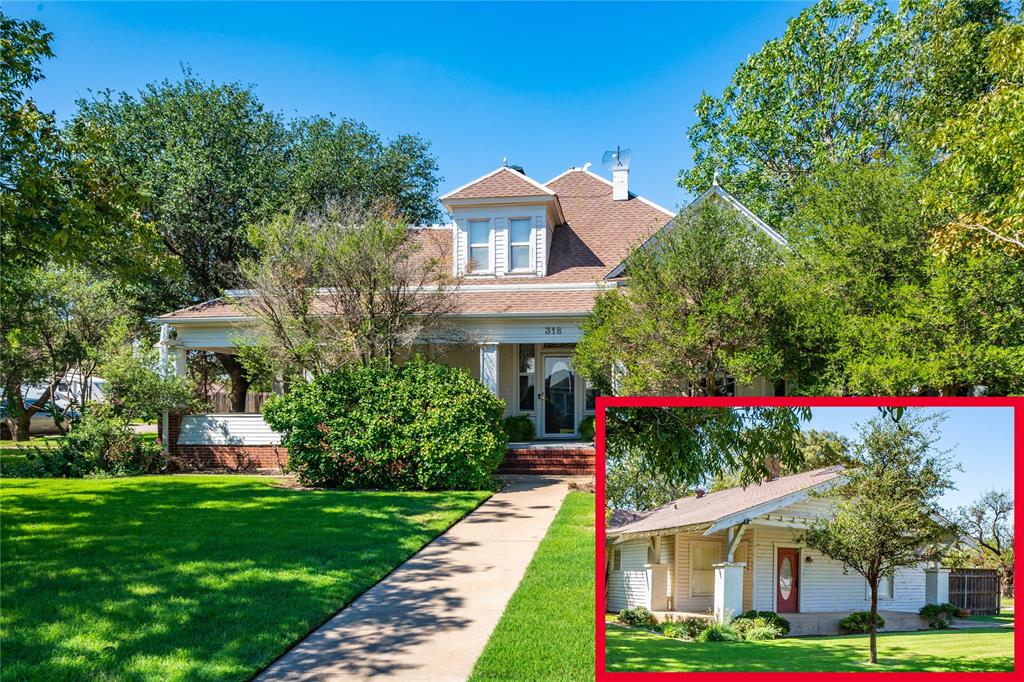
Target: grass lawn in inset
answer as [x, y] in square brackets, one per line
[190, 577]
[1006, 603]
[547, 630]
[930, 650]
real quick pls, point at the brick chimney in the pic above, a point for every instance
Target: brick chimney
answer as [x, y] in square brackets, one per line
[774, 468]
[699, 492]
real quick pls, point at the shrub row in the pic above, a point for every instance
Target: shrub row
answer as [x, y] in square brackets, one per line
[752, 626]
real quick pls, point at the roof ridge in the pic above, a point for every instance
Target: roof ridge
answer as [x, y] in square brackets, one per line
[499, 169]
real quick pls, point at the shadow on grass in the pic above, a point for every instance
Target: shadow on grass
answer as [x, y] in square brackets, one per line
[962, 651]
[194, 577]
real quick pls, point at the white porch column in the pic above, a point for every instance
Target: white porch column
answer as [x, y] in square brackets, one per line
[728, 590]
[936, 585]
[179, 355]
[489, 366]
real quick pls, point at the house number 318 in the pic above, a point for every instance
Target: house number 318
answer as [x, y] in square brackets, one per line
[553, 330]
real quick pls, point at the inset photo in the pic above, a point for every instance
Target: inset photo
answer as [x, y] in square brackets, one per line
[794, 537]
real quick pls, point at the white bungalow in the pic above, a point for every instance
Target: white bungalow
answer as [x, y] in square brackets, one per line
[734, 550]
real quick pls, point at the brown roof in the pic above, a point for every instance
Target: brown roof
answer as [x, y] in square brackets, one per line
[596, 237]
[706, 510]
[503, 183]
[599, 232]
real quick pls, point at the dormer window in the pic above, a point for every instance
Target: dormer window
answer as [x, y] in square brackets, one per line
[520, 233]
[481, 236]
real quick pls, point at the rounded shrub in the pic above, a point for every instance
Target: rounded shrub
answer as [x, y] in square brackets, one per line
[637, 616]
[519, 428]
[939, 616]
[770, 618]
[859, 623]
[717, 632]
[420, 425]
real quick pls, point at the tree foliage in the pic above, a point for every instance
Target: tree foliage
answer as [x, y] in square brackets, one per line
[885, 508]
[700, 305]
[989, 522]
[347, 285]
[685, 446]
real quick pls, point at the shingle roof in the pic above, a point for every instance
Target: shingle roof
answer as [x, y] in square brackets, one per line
[597, 235]
[706, 510]
[498, 184]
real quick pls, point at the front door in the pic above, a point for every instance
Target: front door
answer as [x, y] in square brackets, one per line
[559, 396]
[787, 583]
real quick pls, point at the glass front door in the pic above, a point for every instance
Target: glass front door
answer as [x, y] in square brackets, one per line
[559, 396]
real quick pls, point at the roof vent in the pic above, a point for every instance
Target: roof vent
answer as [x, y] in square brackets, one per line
[699, 492]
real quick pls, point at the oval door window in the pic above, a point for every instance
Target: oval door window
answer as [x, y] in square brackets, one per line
[785, 578]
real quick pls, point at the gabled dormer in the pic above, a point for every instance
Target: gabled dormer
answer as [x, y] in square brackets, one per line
[502, 225]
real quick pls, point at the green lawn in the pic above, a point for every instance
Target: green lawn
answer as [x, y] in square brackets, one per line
[547, 630]
[190, 577]
[1006, 603]
[930, 650]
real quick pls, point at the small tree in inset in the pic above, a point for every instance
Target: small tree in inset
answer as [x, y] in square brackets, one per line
[885, 514]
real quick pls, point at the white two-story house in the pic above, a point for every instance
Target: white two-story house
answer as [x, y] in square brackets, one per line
[532, 257]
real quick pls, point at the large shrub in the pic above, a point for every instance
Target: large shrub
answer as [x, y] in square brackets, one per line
[99, 444]
[420, 425]
[719, 632]
[859, 622]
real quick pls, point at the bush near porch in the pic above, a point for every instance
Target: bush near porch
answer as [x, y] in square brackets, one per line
[190, 577]
[418, 425]
[634, 650]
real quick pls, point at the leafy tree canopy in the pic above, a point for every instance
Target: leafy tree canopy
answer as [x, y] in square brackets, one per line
[685, 446]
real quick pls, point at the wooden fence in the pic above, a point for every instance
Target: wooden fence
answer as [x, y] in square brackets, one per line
[976, 589]
[221, 402]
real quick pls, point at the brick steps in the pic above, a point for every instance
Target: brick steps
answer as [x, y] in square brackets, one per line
[554, 461]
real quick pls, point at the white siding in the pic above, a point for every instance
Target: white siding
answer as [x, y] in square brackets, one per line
[629, 587]
[226, 429]
[823, 585]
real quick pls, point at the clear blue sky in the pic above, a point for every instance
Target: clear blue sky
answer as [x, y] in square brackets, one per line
[979, 438]
[548, 85]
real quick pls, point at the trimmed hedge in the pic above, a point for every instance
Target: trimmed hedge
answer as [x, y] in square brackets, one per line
[637, 616]
[420, 425]
[939, 616]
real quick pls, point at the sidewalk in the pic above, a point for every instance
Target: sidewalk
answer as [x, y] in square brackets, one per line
[430, 619]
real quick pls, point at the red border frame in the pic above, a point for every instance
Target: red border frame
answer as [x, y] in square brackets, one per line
[604, 402]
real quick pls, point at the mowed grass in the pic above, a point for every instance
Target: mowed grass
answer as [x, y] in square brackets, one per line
[933, 650]
[547, 630]
[190, 577]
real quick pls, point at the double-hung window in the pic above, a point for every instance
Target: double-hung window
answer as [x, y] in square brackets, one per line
[520, 231]
[480, 246]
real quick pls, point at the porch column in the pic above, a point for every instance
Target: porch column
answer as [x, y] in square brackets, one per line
[936, 585]
[489, 366]
[728, 589]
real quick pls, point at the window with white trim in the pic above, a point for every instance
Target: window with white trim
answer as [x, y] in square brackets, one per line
[703, 556]
[520, 235]
[527, 374]
[480, 233]
[885, 588]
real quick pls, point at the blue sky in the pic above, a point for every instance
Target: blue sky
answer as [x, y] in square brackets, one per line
[548, 85]
[979, 438]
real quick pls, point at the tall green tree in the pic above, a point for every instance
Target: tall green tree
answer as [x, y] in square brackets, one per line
[343, 161]
[849, 80]
[885, 509]
[989, 522]
[700, 305]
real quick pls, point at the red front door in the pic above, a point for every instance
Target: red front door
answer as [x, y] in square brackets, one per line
[787, 580]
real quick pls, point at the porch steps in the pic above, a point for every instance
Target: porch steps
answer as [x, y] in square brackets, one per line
[551, 459]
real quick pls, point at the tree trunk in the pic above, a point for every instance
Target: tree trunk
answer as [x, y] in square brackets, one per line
[23, 425]
[239, 380]
[873, 657]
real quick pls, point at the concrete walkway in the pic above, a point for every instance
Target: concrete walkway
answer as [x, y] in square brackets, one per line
[430, 619]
